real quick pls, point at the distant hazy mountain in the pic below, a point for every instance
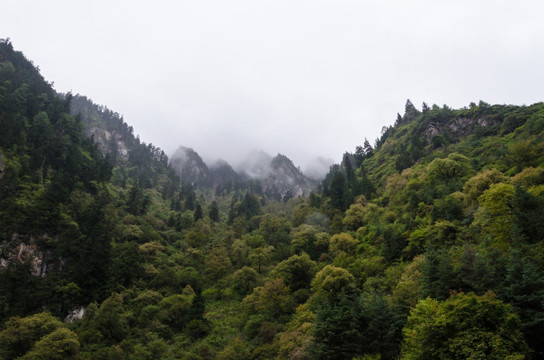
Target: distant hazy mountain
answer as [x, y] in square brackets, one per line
[190, 167]
[221, 173]
[256, 165]
[285, 178]
[276, 176]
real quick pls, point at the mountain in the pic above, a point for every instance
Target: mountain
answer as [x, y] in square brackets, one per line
[223, 175]
[116, 140]
[255, 165]
[285, 178]
[50, 166]
[428, 244]
[190, 167]
[276, 177]
[108, 129]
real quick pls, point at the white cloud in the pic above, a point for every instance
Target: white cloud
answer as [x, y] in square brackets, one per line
[303, 78]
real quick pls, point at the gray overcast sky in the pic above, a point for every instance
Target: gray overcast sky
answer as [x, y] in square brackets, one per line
[303, 78]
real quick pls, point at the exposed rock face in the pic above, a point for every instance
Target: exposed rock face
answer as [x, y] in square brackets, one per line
[75, 314]
[190, 167]
[286, 178]
[25, 251]
[109, 142]
[458, 128]
[108, 129]
[276, 177]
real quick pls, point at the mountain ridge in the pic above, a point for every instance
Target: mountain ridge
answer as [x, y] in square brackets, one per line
[429, 242]
[276, 176]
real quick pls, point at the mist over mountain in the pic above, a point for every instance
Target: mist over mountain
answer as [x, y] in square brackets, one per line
[318, 168]
[427, 243]
[255, 165]
[222, 173]
[277, 177]
[190, 167]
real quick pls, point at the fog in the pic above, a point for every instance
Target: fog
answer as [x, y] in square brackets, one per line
[308, 79]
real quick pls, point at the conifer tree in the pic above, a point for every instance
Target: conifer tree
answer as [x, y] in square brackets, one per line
[214, 212]
[198, 212]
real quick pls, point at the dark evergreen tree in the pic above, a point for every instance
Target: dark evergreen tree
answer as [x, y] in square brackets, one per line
[337, 191]
[528, 221]
[525, 291]
[189, 197]
[214, 212]
[359, 155]
[138, 202]
[337, 328]
[198, 214]
[249, 206]
[368, 151]
[438, 277]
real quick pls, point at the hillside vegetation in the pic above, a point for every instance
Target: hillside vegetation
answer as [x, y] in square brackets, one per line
[427, 244]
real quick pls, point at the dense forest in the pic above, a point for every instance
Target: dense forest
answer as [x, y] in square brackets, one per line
[426, 244]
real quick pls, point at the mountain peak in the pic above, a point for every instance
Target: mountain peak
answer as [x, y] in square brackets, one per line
[190, 166]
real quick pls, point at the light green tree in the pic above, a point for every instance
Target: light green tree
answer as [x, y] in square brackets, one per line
[465, 326]
[20, 334]
[342, 243]
[331, 280]
[495, 214]
[61, 344]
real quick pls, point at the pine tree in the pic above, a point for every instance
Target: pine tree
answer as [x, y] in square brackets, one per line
[198, 214]
[214, 212]
[338, 190]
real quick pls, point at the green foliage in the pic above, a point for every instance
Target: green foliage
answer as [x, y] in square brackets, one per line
[476, 185]
[260, 256]
[198, 212]
[336, 328]
[446, 201]
[526, 153]
[20, 335]
[217, 264]
[237, 350]
[332, 280]
[62, 343]
[342, 243]
[449, 170]
[110, 321]
[214, 212]
[465, 326]
[338, 191]
[438, 277]
[245, 280]
[494, 213]
[175, 309]
[297, 271]
[247, 208]
[309, 239]
[528, 216]
[524, 289]
[350, 325]
[271, 299]
[354, 218]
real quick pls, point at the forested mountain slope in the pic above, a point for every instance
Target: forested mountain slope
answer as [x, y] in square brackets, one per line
[428, 244]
